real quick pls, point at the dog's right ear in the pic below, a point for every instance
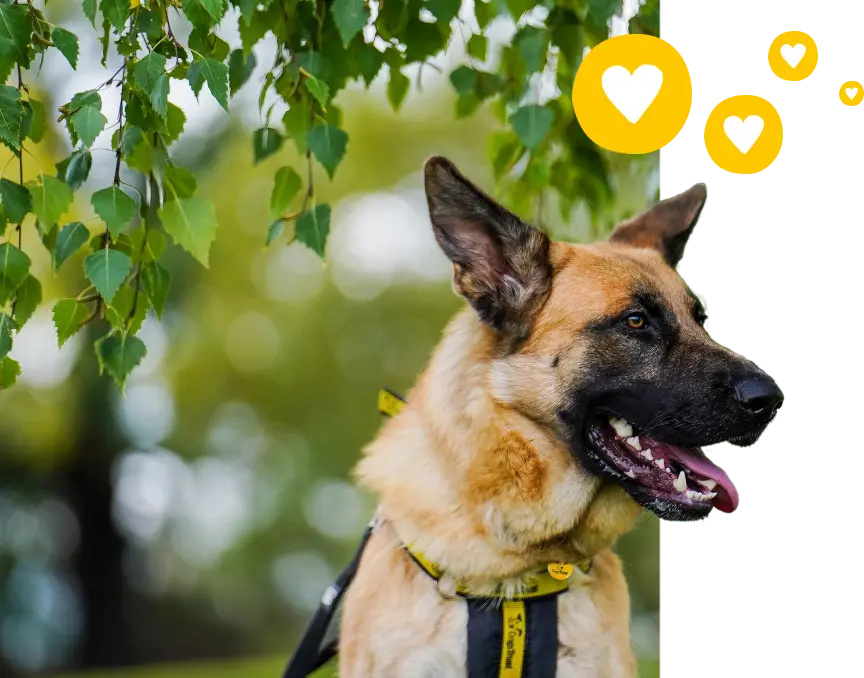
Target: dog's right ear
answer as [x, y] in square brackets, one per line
[500, 263]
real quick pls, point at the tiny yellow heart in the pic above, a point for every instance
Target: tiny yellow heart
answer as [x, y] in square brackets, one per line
[560, 571]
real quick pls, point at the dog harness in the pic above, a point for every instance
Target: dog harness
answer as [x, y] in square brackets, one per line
[511, 633]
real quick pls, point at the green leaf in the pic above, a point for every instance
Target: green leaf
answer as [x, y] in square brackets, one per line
[149, 74]
[16, 200]
[128, 310]
[277, 226]
[477, 47]
[647, 20]
[483, 12]
[213, 8]
[116, 11]
[286, 186]
[175, 122]
[566, 34]
[6, 327]
[192, 224]
[265, 142]
[240, 68]
[10, 370]
[15, 30]
[369, 61]
[215, 74]
[77, 169]
[319, 90]
[90, 11]
[153, 249]
[67, 43]
[157, 282]
[296, 123]
[115, 208]
[181, 183]
[88, 122]
[28, 297]
[424, 40]
[11, 113]
[51, 199]
[36, 128]
[444, 10]
[350, 16]
[68, 314]
[519, 7]
[119, 354]
[532, 124]
[107, 269]
[328, 146]
[313, 227]
[464, 80]
[14, 268]
[397, 88]
[69, 240]
[532, 44]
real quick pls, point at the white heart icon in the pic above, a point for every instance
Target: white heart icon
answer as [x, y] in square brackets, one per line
[851, 92]
[632, 93]
[743, 133]
[792, 54]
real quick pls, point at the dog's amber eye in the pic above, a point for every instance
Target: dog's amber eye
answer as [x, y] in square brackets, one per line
[636, 321]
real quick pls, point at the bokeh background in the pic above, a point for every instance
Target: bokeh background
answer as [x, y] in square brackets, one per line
[191, 525]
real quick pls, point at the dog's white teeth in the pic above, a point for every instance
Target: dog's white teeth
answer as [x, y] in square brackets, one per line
[681, 482]
[630, 474]
[692, 494]
[709, 495]
[646, 454]
[622, 427]
[634, 443]
[660, 463]
[708, 484]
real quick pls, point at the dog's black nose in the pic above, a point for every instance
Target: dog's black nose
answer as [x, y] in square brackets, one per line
[758, 394]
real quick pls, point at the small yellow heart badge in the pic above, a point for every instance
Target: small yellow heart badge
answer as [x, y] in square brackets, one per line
[560, 571]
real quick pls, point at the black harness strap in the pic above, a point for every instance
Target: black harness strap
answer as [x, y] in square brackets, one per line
[309, 655]
[502, 639]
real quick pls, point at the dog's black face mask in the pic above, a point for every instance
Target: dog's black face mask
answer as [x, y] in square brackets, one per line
[651, 395]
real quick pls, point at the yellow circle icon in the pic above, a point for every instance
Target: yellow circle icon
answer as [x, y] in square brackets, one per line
[851, 93]
[632, 94]
[793, 55]
[743, 134]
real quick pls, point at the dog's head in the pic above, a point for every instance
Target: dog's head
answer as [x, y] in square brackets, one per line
[604, 344]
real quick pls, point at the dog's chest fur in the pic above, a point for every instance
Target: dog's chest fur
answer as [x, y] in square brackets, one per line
[398, 625]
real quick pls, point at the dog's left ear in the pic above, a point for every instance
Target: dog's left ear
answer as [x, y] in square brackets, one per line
[666, 226]
[500, 263]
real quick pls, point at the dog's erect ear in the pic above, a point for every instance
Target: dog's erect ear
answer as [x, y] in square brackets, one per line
[500, 264]
[666, 226]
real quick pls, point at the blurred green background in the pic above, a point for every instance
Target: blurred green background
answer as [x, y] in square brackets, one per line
[201, 516]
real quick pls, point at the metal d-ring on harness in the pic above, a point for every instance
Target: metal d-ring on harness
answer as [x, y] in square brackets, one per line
[310, 655]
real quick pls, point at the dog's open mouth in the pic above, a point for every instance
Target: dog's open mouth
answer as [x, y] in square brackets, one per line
[683, 476]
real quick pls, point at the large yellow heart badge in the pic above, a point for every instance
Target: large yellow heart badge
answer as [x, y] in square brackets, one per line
[560, 571]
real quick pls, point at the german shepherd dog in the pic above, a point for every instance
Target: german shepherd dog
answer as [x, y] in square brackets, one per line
[574, 391]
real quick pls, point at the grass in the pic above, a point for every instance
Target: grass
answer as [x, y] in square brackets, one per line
[262, 667]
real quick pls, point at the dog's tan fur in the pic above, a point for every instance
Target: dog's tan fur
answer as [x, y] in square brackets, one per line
[474, 476]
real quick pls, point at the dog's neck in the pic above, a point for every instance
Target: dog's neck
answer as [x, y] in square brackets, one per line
[476, 486]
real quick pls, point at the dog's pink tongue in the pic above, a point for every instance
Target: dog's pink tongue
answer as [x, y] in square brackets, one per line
[700, 465]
